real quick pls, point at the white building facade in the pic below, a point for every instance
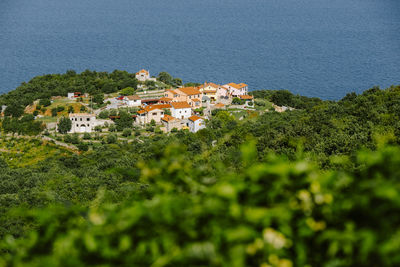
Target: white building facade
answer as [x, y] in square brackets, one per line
[133, 101]
[82, 122]
[144, 75]
[196, 123]
[181, 110]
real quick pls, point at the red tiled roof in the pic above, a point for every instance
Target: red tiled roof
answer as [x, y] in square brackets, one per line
[165, 99]
[179, 105]
[168, 118]
[142, 71]
[158, 106]
[237, 86]
[194, 118]
[246, 97]
[189, 91]
[133, 97]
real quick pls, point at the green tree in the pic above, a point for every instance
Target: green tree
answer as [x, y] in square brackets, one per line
[112, 139]
[127, 91]
[165, 77]
[54, 112]
[14, 110]
[125, 120]
[127, 132]
[45, 102]
[98, 99]
[64, 125]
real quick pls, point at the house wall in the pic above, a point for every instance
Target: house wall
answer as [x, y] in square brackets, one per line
[197, 125]
[155, 115]
[133, 103]
[82, 124]
[181, 113]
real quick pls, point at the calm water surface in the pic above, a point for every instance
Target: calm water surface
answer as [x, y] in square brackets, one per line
[322, 48]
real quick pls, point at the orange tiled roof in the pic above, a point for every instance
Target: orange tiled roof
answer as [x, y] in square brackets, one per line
[170, 90]
[133, 97]
[237, 86]
[196, 100]
[179, 105]
[209, 84]
[194, 118]
[157, 106]
[189, 90]
[168, 118]
[219, 105]
[246, 97]
[166, 99]
[141, 111]
[142, 71]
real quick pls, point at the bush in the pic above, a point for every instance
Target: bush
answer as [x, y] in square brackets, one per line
[127, 132]
[83, 147]
[112, 128]
[98, 128]
[87, 136]
[111, 139]
[54, 112]
[60, 108]
[237, 101]
[45, 102]
[104, 114]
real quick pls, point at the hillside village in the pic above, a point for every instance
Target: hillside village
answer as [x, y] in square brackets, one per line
[179, 108]
[148, 105]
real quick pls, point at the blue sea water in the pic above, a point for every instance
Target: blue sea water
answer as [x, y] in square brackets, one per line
[322, 48]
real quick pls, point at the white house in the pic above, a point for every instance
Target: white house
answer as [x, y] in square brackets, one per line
[133, 101]
[71, 95]
[235, 90]
[196, 123]
[144, 75]
[181, 110]
[82, 122]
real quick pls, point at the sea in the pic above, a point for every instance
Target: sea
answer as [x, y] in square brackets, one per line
[318, 48]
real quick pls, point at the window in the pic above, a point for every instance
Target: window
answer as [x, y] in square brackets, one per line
[162, 112]
[88, 119]
[81, 119]
[154, 113]
[77, 125]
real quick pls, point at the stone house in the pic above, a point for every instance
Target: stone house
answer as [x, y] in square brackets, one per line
[181, 110]
[170, 123]
[235, 90]
[190, 95]
[132, 101]
[209, 90]
[152, 112]
[196, 123]
[82, 122]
